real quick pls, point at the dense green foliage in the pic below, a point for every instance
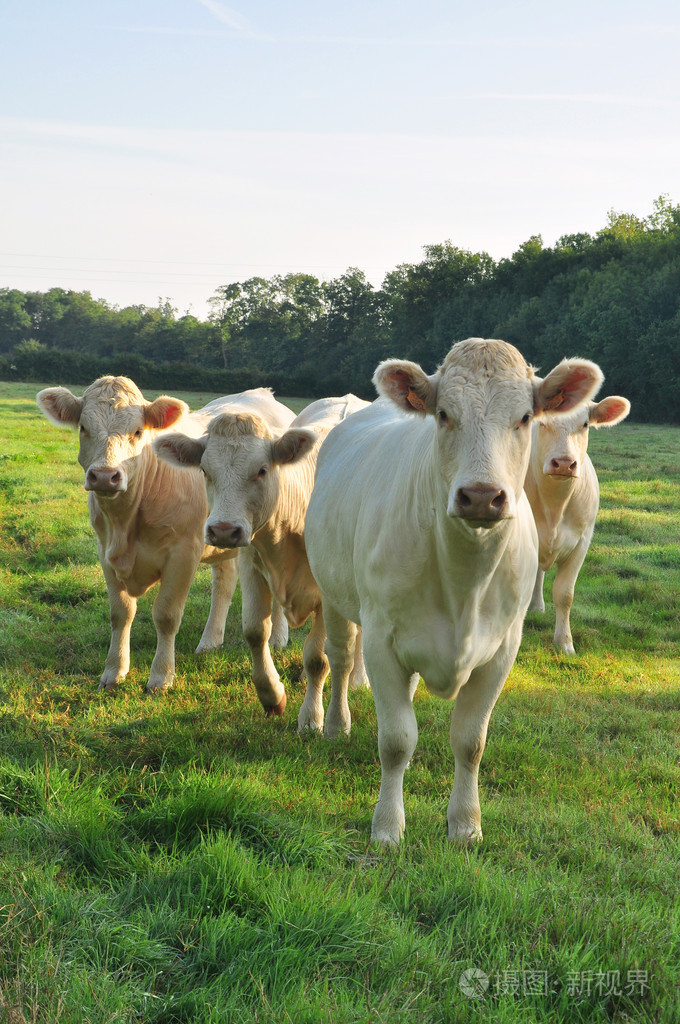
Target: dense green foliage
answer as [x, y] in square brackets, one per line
[613, 297]
[182, 860]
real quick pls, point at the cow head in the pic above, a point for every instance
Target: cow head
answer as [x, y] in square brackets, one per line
[482, 401]
[560, 444]
[240, 459]
[115, 423]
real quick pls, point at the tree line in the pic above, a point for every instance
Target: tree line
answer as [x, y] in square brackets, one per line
[613, 297]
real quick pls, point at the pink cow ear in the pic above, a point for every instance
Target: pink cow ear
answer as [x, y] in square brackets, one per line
[609, 411]
[60, 406]
[407, 385]
[164, 412]
[571, 383]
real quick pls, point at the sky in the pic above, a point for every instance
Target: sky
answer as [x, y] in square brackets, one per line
[154, 150]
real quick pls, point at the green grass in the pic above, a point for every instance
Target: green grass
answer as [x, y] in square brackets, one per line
[183, 859]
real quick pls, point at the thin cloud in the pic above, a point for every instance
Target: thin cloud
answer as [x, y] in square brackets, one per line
[228, 16]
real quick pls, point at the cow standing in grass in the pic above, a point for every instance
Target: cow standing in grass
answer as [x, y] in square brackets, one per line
[148, 516]
[419, 531]
[564, 495]
[259, 481]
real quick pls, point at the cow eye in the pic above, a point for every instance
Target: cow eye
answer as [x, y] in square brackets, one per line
[442, 417]
[138, 433]
[262, 471]
[526, 417]
[586, 425]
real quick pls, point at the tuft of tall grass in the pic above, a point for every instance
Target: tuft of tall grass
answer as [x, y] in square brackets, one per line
[184, 859]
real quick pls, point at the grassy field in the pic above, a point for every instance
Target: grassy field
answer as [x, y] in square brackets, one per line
[184, 859]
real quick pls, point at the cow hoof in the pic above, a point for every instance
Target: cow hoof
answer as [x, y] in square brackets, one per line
[465, 835]
[385, 838]
[332, 730]
[278, 709]
[155, 688]
[309, 723]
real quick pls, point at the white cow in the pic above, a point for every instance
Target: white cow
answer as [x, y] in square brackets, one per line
[148, 516]
[419, 531]
[564, 495]
[259, 482]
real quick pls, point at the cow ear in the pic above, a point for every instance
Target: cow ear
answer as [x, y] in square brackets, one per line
[164, 412]
[609, 411]
[292, 445]
[571, 383]
[60, 406]
[407, 385]
[180, 450]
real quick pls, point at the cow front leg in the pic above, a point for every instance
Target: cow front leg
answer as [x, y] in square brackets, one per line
[397, 734]
[122, 609]
[469, 724]
[257, 627]
[224, 580]
[537, 604]
[563, 596]
[168, 609]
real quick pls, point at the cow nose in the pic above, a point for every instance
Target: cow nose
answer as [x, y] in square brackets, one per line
[225, 535]
[564, 466]
[103, 480]
[480, 502]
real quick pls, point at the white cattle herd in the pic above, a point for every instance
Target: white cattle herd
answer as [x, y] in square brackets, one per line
[415, 531]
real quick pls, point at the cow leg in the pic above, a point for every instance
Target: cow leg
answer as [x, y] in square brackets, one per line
[168, 609]
[397, 735]
[563, 596]
[469, 723]
[279, 637]
[341, 647]
[537, 603]
[122, 609]
[224, 580]
[315, 665]
[257, 627]
[358, 679]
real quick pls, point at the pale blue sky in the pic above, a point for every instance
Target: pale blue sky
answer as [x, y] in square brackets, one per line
[164, 147]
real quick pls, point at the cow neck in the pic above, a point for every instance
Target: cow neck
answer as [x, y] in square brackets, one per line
[287, 519]
[280, 543]
[554, 497]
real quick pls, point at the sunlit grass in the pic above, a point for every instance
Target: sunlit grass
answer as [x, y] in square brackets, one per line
[184, 859]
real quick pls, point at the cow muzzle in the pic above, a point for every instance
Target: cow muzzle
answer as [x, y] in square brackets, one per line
[562, 466]
[227, 535]
[105, 480]
[480, 504]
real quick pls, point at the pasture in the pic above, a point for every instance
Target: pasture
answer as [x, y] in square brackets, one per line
[180, 858]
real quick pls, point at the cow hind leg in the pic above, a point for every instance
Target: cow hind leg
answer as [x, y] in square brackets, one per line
[358, 679]
[315, 665]
[341, 646]
[224, 579]
[279, 636]
[537, 604]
